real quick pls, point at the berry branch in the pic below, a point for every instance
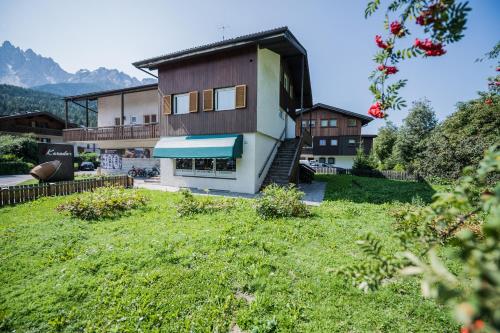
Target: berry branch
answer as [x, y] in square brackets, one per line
[443, 21]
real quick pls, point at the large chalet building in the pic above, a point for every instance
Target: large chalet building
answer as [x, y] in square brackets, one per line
[336, 135]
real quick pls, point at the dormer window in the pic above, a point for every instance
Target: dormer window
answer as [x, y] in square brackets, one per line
[225, 99]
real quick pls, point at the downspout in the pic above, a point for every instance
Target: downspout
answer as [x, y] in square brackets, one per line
[301, 111]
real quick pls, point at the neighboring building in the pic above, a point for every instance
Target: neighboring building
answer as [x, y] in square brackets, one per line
[44, 126]
[336, 135]
[127, 126]
[227, 107]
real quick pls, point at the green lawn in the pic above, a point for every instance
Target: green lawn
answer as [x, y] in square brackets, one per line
[153, 271]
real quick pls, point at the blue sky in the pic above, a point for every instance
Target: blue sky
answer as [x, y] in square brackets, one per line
[114, 33]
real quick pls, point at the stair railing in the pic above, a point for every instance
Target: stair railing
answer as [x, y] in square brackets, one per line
[272, 151]
[305, 137]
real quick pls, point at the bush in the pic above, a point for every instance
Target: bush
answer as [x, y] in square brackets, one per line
[191, 205]
[15, 167]
[104, 202]
[278, 201]
[363, 161]
[24, 147]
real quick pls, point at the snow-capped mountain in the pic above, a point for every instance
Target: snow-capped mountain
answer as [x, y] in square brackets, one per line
[29, 69]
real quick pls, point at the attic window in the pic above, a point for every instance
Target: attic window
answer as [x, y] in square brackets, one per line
[351, 122]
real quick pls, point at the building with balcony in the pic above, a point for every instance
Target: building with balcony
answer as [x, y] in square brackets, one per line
[127, 126]
[44, 126]
[336, 135]
[228, 112]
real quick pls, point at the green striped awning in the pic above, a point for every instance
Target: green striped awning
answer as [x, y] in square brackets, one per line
[200, 146]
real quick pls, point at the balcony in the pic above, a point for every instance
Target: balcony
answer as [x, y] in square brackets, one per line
[127, 132]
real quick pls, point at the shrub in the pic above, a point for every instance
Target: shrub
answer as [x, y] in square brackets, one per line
[363, 161]
[104, 202]
[15, 167]
[25, 147]
[191, 205]
[278, 201]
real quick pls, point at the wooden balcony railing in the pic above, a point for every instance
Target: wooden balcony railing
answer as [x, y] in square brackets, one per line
[127, 132]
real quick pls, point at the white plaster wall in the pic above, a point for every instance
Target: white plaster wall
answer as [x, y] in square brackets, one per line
[343, 161]
[290, 127]
[263, 146]
[268, 94]
[247, 180]
[135, 104]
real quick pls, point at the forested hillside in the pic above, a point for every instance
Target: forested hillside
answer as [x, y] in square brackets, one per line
[15, 100]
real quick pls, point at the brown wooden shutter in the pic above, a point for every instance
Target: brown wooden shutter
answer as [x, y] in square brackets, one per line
[193, 101]
[208, 100]
[241, 96]
[146, 119]
[167, 104]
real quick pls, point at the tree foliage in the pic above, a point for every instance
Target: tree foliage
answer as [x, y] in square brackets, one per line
[16, 100]
[412, 136]
[470, 215]
[461, 139]
[383, 145]
[443, 22]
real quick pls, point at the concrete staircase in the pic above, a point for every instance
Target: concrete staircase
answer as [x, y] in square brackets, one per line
[278, 172]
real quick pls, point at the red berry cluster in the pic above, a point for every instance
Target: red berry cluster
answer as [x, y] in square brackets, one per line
[388, 69]
[431, 49]
[376, 110]
[426, 16]
[380, 43]
[477, 326]
[397, 29]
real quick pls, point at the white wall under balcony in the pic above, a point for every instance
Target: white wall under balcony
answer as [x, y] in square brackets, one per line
[270, 119]
[136, 104]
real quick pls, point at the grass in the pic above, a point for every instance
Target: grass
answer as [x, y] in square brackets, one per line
[154, 271]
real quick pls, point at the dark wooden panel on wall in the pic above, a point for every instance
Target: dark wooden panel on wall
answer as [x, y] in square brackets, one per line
[218, 71]
[343, 147]
[341, 129]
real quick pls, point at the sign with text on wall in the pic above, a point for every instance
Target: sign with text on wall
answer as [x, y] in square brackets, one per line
[48, 152]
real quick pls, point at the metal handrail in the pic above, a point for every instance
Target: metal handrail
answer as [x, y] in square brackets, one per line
[271, 152]
[297, 154]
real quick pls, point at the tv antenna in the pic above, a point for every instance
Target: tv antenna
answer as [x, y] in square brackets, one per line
[223, 28]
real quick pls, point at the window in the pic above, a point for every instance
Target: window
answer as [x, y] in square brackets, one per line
[225, 168]
[153, 118]
[334, 142]
[117, 121]
[149, 119]
[225, 99]
[204, 167]
[313, 123]
[286, 82]
[46, 140]
[351, 122]
[181, 104]
[307, 123]
[333, 123]
[304, 123]
[324, 123]
[146, 119]
[133, 120]
[322, 142]
[352, 141]
[331, 160]
[322, 160]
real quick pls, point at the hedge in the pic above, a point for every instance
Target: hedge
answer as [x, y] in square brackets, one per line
[12, 168]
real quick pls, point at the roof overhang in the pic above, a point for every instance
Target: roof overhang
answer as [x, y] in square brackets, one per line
[105, 93]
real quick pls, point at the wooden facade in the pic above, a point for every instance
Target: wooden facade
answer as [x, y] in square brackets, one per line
[237, 67]
[39, 123]
[346, 130]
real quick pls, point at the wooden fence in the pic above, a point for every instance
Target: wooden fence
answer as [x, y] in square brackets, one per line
[388, 174]
[13, 195]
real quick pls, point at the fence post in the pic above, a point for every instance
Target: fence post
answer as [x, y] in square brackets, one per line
[52, 189]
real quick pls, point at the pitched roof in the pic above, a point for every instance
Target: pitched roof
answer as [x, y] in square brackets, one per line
[35, 114]
[267, 36]
[104, 93]
[364, 119]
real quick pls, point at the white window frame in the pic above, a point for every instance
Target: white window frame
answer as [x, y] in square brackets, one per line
[175, 107]
[133, 120]
[334, 142]
[351, 141]
[214, 173]
[216, 98]
[322, 142]
[323, 121]
[330, 122]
